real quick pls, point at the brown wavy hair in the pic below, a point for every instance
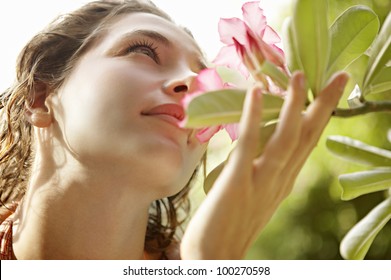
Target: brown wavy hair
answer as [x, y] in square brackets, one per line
[47, 59]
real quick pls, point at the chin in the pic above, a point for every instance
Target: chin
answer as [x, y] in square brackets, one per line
[172, 187]
[170, 181]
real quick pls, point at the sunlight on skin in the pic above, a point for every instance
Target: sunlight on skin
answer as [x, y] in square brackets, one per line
[18, 25]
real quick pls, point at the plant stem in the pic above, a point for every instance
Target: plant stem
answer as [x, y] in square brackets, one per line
[365, 108]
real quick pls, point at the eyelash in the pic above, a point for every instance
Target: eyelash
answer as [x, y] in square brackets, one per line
[145, 45]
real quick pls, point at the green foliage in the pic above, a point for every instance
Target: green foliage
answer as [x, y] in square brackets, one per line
[278, 77]
[381, 83]
[366, 56]
[364, 182]
[313, 220]
[379, 58]
[357, 242]
[336, 7]
[356, 69]
[321, 50]
[225, 106]
[312, 40]
[321, 38]
[290, 49]
[351, 35]
[358, 151]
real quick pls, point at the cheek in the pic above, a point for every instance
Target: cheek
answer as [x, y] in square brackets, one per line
[111, 88]
[115, 91]
[96, 107]
[110, 84]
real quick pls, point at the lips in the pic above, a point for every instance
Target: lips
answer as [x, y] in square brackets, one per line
[170, 112]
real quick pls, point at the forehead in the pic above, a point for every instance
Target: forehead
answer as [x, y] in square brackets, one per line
[129, 23]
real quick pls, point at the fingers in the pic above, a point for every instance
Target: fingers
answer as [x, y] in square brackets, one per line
[315, 120]
[285, 139]
[319, 112]
[296, 134]
[246, 149]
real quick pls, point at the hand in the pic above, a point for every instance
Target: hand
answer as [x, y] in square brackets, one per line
[250, 188]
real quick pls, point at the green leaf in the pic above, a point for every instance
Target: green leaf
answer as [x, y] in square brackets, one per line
[265, 133]
[225, 106]
[358, 152]
[357, 242]
[212, 176]
[364, 182]
[291, 55]
[312, 37]
[351, 35]
[278, 77]
[337, 7]
[380, 52]
[381, 83]
[356, 69]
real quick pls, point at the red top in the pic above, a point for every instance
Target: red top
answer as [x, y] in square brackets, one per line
[6, 220]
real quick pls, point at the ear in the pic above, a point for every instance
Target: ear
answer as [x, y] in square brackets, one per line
[37, 113]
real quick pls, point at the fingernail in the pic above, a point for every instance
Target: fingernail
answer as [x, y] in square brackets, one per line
[258, 89]
[302, 80]
[342, 81]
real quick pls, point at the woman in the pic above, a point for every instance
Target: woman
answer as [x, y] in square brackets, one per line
[95, 165]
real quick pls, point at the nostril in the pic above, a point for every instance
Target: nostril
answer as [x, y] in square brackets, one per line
[181, 88]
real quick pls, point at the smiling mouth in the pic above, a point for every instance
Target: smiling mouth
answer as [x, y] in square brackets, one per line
[169, 112]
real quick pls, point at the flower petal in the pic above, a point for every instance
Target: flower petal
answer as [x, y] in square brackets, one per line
[233, 130]
[270, 36]
[272, 53]
[185, 101]
[205, 134]
[254, 17]
[232, 27]
[229, 57]
[208, 79]
[278, 50]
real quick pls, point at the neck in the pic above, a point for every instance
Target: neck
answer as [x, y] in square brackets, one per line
[94, 215]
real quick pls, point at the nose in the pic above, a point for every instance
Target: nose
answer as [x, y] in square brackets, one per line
[180, 86]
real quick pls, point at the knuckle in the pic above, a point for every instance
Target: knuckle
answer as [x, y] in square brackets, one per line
[286, 141]
[309, 137]
[328, 100]
[274, 162]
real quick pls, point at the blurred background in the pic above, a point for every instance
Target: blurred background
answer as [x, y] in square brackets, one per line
[313, 220]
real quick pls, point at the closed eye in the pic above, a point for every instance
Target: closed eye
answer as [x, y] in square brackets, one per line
[144, 47]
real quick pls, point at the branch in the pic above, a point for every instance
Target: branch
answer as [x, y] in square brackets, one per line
[365, 108]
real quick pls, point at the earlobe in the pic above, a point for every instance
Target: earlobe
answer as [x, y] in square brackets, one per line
[37, 113]
[39, 117]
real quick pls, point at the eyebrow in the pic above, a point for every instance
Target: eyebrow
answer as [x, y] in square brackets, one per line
[150, 34]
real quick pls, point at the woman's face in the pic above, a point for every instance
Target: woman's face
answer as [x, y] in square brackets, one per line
[120, 106]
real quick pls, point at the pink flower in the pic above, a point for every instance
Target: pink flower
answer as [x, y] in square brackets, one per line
[209, 80]
[254, 34]
[250, 48]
